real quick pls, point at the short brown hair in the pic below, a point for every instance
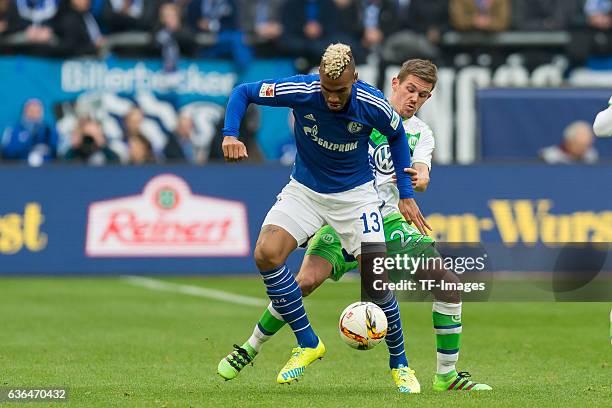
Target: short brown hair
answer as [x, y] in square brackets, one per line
[423, 69]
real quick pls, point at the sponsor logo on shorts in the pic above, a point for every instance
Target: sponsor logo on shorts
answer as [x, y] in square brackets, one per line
[267, 90]
[382, 159]
[354, 127]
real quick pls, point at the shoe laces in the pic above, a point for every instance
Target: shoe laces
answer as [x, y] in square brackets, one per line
[464, 374]
[404, 373]
[295, 353]
[240, 356]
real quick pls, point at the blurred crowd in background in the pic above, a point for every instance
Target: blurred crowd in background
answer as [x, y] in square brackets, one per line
[240, 30]
[141, 141]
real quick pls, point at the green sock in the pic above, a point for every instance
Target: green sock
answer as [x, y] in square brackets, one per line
[250, 350]
[269, 323]
[447, 326]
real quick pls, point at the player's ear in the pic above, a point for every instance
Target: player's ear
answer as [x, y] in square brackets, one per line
[395, 83]
[356, 77]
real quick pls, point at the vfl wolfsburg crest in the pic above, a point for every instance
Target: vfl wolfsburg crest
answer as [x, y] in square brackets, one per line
[382, 159]
[327, 238]
[354, 127]
[413, 140]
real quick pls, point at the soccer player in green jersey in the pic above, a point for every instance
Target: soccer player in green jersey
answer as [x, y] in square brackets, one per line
[325, 258]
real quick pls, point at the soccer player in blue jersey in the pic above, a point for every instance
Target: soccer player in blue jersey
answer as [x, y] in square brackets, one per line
[332, 182]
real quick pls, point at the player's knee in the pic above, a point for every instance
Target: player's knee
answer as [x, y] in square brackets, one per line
[307, 284]
[267, 257]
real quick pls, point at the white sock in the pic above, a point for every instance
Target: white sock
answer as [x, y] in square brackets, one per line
[447, 362]
[258, 338]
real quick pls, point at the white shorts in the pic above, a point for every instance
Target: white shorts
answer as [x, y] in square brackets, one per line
[353, 214]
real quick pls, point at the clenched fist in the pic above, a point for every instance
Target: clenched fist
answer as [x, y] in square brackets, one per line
[233, 149]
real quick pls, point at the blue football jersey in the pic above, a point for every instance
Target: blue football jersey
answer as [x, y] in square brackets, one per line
[332, 147]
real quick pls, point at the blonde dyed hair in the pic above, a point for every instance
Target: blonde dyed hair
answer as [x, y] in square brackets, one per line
[336, 59]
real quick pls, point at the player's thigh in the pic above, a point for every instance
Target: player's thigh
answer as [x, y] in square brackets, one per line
[325, 247]
[294, 212]
[274, 245]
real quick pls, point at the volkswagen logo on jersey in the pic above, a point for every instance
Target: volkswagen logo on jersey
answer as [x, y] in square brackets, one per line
[354, 127]
[382, 159]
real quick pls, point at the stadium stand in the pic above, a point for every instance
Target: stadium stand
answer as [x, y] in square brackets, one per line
[515, 43]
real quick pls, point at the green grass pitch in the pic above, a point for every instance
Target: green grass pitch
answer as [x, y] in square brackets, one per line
[115, 344]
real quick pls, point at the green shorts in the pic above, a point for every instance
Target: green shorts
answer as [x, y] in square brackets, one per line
[401, 238]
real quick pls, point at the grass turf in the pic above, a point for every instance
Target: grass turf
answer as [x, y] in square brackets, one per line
[115, 344]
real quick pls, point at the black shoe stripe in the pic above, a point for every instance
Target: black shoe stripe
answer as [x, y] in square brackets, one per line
[233, 364]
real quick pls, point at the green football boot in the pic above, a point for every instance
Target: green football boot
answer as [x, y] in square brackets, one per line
[457, 381]
[234, 362]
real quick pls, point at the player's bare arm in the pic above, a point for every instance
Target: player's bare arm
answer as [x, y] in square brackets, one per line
[419, 173]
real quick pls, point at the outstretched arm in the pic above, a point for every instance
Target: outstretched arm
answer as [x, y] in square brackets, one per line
[400, 154]
[287, 92]
[233, 149]
[421, 160]
[238, 102]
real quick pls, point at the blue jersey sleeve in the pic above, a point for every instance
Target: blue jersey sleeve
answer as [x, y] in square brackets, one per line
[285, 92]
[400, 151]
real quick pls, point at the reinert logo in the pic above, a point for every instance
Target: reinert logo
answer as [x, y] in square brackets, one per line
[22, 230]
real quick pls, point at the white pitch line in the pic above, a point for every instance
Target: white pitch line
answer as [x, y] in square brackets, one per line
[155, 284]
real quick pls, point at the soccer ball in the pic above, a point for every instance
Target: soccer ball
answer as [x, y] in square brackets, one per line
[363, 325]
